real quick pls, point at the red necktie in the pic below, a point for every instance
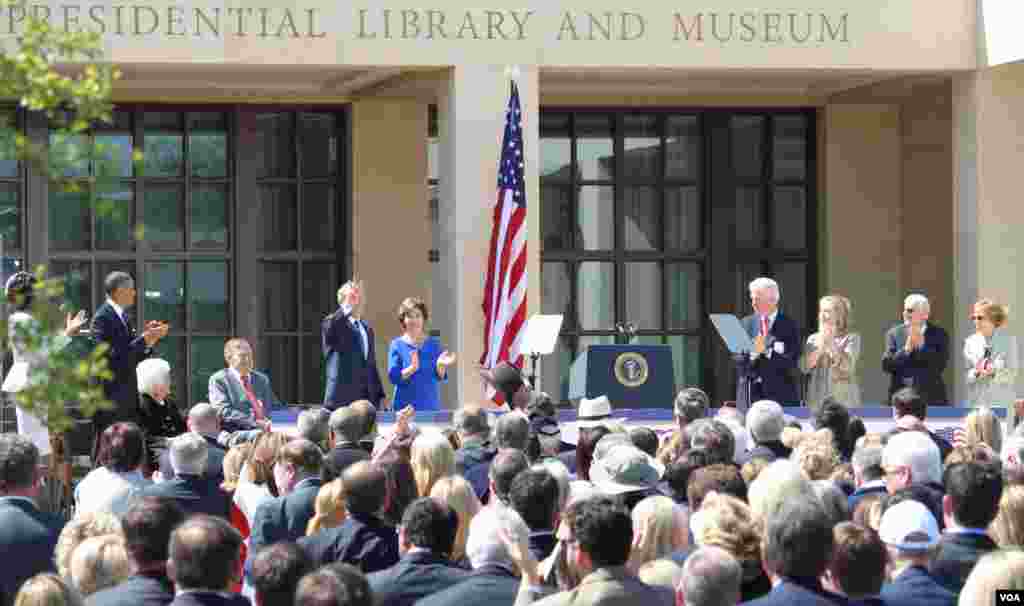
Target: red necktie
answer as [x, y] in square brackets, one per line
[764, 326]
[257, 405]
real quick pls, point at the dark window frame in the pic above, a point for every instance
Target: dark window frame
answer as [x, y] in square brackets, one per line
[718, 252]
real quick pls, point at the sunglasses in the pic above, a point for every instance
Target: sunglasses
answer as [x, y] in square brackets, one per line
[977, 318]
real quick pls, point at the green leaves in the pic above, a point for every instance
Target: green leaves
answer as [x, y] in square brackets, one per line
[64, 373]
[60, 73]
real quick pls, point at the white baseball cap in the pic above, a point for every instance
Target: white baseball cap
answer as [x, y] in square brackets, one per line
[909, 526]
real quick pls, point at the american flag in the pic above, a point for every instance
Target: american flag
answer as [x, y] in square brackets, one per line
[505, 288]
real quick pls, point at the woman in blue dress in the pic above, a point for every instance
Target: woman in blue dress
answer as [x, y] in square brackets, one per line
[416, 363]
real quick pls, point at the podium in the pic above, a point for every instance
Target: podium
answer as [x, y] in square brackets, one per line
[632, 376]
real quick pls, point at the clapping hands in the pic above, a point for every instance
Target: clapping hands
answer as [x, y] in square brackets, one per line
[74, 323]
[446, 358]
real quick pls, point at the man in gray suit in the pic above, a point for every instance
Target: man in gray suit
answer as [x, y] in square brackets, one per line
[243, 395]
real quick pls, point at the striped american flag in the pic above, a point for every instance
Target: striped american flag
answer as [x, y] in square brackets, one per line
[505, 289]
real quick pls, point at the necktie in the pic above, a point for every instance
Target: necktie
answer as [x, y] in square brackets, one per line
[257, 405]
[764, 326]
[362, 335]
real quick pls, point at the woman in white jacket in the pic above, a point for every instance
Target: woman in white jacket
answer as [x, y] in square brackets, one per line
[20, 291]
[991, 355]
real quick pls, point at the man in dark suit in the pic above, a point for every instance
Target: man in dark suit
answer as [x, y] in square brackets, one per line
[917, 352]
[28, 536]
[205, 562]
[425, 539]
[147, 527]
[297, 475]
[276, 572]
[111, 326]
[772, 372]
[193, 492]
[204, 421]
[362, 540]
[493, 580]
[534, 495]
[347, 425]
[795, 551]
[970, 504]
[473, 459]
[350, 353]
[857, 568]
[867, 474]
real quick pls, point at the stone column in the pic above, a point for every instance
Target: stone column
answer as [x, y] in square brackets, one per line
[472, 120]
[988, 152]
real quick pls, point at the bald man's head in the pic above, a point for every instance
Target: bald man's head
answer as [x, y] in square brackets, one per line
[365, 488]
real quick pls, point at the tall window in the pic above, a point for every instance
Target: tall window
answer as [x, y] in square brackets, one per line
[646, 216]
[233, 224]
[166, 223]
[297, 172]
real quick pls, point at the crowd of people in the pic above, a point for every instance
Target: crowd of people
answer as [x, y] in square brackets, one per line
[213, 505]
[728, 507]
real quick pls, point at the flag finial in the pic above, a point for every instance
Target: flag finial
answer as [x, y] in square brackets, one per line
[512, 72]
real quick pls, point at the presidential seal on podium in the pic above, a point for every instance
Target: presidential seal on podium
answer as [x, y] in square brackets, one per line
[631, 369]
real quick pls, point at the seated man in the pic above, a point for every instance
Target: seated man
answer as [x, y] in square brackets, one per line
[204, 563]
[362, 540]
[192, 491]
[204, 421]
[244, 395]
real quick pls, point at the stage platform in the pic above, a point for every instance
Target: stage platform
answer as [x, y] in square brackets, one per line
[876, 418]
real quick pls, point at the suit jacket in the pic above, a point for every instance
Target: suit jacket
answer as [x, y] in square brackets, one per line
[284, 518]
[770, 451]
[798, 592]
[126, 350]
[489, 585]
[921, 368]
[774, 376]
[364, 541]
[139, 590]
[194, 494]
[915, 586]
[226, 392]
[474, 463]
[350, 376]
[215, 454]
[957, 555]
[28, 538]
[417, 575]
[339, 458]
[612, 586]
[209, 598]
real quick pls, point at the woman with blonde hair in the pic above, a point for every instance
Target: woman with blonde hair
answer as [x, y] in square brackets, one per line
[48, 589]
[329, 508]
[234, 463]
[991, 356]
[659, 528]
[729, 523]
[99, 563]
[1008, 528]
[83, 526]
[458, 493]
[432, 458]
[981, 427]
[830, 355]
[816, 454]
[256, 483]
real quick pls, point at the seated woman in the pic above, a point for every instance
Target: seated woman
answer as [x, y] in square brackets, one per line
[243, 394]
[158, 414]
[111, 486]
